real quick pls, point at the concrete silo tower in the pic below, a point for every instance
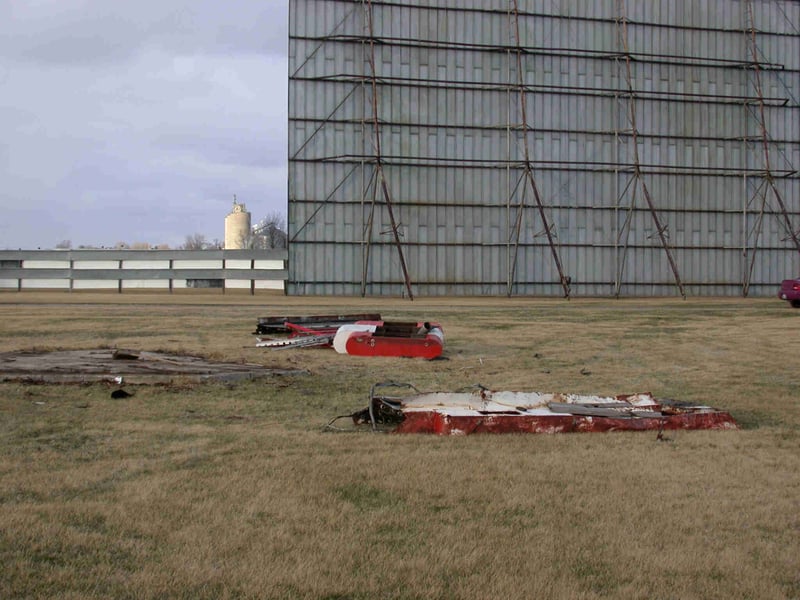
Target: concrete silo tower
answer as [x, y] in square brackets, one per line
[237, 227]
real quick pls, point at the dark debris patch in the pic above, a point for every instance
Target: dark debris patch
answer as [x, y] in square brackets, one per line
[106, 364]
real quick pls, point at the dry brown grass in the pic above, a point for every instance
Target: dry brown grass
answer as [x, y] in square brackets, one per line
[230, 491]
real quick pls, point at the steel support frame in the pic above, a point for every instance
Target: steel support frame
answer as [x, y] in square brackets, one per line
[514, 233]
[379, 161]
[380, 176]
[637, 181]
[767, 177]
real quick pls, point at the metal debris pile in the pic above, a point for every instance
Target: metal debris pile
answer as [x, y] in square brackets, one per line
[360, 335]
[402, 408]
[304, 331]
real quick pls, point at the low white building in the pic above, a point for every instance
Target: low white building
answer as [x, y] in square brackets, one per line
[142, 269]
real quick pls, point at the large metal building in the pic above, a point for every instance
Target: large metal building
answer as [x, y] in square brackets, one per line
[562, 147]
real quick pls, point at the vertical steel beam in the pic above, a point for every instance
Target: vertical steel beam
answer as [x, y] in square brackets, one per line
[622, 30]
[381, 178]
[564, 280]
[768, 183]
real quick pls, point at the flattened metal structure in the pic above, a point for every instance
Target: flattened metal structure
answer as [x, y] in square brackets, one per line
[493, 147]
[401, 408]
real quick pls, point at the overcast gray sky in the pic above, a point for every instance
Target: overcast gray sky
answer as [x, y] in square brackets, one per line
[138, 121]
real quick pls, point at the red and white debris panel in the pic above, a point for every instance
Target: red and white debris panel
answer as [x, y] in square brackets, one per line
[388, 338]
[349, 334]
[485, 411]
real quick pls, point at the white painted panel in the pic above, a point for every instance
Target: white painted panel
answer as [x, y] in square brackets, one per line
[145, 284]
[45, 284]
[237, 264]
[45, 264]
[95, 264]
[237, 284]
[94, 284]
[269, 284]
[8, 283]
[197, 264]
[269, 264]
[145, 264]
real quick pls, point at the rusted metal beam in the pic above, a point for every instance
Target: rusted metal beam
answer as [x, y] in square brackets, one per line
[460, 8]
[564, 280]
[503, 127]
[631, 96]
[762, 123]
[566, 90]
[548, 165]
[377, 145]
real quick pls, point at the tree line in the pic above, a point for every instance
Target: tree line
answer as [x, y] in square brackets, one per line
[269, 233]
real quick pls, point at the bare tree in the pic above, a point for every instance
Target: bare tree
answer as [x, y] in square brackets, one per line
[64, 245]
[195, 241]
[246, 240]
[270, 232]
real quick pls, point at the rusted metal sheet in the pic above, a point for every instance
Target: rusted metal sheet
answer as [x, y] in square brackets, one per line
[486, 411]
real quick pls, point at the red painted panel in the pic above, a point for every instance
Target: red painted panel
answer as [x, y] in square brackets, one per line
[368, 344]
[444, 424]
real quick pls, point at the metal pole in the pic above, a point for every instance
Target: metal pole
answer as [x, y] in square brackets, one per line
[378, 159]
[623, 36]
[564, 280]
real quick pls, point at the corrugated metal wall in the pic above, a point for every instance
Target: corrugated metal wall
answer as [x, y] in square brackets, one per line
[546, 148]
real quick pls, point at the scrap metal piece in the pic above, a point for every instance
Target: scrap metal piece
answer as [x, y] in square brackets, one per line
[307, 341]
[486, 411]
[279, 324]
[304, 332]
[390, 338]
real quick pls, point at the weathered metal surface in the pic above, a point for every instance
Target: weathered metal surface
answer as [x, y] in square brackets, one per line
[485, 411]
[442, 423]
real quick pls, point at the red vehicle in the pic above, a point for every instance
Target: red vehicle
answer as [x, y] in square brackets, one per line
[790, 291]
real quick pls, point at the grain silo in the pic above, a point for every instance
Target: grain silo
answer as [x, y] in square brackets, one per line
[237, 227]
[565, 148]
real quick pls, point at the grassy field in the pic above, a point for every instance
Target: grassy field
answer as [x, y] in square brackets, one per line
[190, 490]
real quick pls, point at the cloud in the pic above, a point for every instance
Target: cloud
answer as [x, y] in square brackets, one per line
[143, 118]
[98, 31]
